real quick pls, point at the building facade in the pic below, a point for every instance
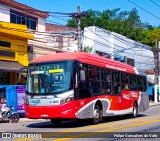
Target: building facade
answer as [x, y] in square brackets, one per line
[13, 51]
[14, 12]
[61, 38]
[48, 38]
[118, 47]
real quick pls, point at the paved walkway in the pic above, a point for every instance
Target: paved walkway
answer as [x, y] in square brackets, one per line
[154, 104]
[37, 120]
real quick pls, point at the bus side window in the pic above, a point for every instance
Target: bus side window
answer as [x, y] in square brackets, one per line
[125, 81]
[94, 80]
[83, 81]
[145, 83]
[141, 81]
[133, 82]
[106, 81]
[116, 87]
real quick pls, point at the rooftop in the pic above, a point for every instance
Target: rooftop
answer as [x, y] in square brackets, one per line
[58, 28]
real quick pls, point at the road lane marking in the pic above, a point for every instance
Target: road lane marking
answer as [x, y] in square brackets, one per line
[108, 130]
[140, 120]
[100, 126]
[24, 139]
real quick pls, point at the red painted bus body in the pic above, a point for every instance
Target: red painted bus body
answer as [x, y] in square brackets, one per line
[70, 102]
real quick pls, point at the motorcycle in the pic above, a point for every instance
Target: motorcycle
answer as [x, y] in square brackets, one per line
[8, 113]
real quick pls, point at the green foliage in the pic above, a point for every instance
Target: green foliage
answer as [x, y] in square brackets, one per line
[126, 23]
[149, 36]
[87, 49]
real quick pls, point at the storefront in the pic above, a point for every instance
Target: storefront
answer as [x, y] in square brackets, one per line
[13, 51]
[13, 57]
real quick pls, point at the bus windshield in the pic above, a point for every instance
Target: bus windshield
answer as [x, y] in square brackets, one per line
[50, 78]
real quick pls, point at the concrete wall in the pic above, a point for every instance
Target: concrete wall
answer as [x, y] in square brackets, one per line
[4, 13]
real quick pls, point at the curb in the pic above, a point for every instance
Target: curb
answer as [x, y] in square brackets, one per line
[31, 120]
[154, 104]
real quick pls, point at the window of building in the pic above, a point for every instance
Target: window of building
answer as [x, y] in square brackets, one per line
[7, 53]
[19, 18]
[130, 62]
[4, 78]
[31, 23]
[5, 44]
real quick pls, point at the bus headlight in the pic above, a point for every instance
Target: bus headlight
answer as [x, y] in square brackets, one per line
[67, 99]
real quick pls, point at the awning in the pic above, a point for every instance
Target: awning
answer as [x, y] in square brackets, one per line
[10, 66]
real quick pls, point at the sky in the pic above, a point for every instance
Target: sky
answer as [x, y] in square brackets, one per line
[69, 6]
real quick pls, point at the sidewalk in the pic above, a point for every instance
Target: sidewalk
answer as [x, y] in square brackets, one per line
[46, 120]
[31, 120]
[152, 103]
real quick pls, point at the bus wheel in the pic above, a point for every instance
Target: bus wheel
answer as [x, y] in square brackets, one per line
[96, 118]
[135, 110]
[56, 122]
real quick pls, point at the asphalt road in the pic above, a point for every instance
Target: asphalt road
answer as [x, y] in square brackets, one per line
[113, 128]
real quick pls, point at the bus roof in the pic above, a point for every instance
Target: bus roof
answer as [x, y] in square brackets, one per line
[84, 57]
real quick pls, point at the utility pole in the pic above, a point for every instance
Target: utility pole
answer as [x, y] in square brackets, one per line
[79, 29]
[158, 68]
[78, 17]
[156, 59]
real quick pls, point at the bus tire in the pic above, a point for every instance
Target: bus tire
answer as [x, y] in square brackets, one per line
[96, 118]
[56, 122]
[135, 111]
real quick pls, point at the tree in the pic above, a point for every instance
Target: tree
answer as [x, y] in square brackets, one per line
[133, 25]
[90, 20]
[148, 36]
[126, 23]
[87, 49]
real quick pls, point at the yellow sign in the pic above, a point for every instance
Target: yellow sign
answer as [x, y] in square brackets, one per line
[56, 71]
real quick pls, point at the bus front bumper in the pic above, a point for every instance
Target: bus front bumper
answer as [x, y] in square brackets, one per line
[48, 112]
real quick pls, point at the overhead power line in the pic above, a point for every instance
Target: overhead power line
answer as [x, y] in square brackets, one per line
[55, 23]
[155, 3]
[115, 36]
[122, 48]
[58, 18]
[144, 10]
